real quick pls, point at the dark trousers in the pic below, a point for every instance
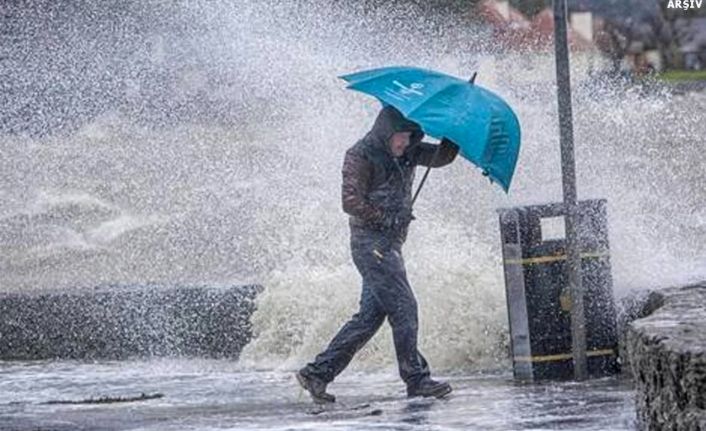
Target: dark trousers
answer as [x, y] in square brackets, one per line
[386, 293]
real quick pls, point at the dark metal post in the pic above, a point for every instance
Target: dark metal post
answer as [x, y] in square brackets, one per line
[566, 139]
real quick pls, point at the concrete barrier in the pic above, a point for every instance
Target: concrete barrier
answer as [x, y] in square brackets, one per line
[666, 353]
[118, 322]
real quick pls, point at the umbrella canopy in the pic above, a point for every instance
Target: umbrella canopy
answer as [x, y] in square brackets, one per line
[477, 120]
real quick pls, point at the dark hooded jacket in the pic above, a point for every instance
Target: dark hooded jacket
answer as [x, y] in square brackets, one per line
[376, 183]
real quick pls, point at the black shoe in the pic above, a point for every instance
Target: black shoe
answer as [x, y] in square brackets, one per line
[429, 388]
[315, 387]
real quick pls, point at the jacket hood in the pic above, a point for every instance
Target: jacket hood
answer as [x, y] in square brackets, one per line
[390, 121]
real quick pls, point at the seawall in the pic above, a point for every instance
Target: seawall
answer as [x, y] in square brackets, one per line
[666, 354]
[118, 322]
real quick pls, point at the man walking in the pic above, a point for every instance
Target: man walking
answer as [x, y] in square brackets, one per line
[378, 175]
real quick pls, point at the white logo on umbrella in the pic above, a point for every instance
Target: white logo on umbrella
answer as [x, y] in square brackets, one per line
[412, 89]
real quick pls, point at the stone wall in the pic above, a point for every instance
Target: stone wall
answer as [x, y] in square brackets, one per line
[666, 353]
[119, 322]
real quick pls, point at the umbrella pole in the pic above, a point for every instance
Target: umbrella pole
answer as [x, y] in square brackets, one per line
[424, 178]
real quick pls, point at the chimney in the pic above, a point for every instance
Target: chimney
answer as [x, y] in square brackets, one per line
[503, 7]
[582, 24]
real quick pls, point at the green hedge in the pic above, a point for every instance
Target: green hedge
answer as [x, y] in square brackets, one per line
[683, 75]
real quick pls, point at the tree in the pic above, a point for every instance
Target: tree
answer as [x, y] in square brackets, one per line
[530, 7]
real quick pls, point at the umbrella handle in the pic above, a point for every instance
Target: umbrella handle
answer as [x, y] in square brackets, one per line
[424, 178]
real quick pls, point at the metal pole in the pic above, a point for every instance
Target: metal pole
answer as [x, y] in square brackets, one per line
[566, 139]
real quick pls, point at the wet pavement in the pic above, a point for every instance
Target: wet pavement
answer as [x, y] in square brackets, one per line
[220, 395]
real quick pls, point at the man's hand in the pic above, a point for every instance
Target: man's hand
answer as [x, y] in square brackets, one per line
[396, 220]
[404, 216]
[449, 143]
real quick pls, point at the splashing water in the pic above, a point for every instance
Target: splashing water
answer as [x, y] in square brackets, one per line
[201, 142]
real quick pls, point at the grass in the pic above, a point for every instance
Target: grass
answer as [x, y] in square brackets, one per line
[683, 75]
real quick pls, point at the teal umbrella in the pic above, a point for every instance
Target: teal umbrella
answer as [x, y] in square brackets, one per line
[477, 120]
